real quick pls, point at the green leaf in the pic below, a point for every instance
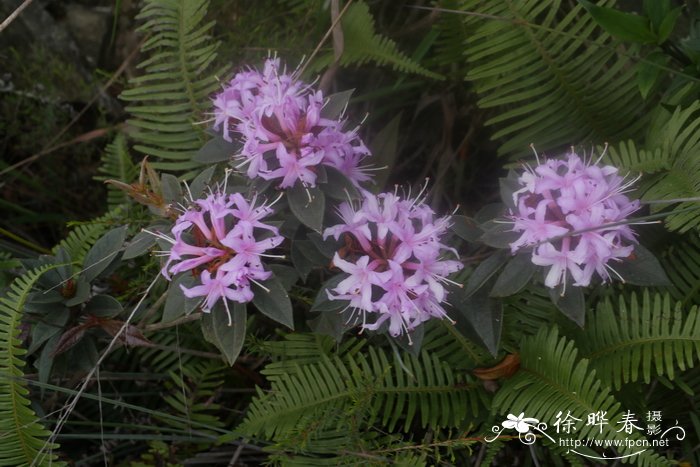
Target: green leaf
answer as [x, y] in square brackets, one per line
[656, 10]
[572, 303]
[102, 253]
[338, 186]
[650, 71]
[139, 245]
[384, 146]
[229, 338]
[667, 25]
[485, 271]
[335, 104]
[81, 295]
[514, 276]
[200, 182]
[50, 325]
[625, 26]
[466, 228]
[287, 275]
[176, 304]
[479, 317]
[322, 302]
[104, 306]
[498, 235]
[508, 186]
[307, 205]
[332, 323]
[411, 342]
[273, 301]
[172, 188]
[327, 247]
[302, 263]
[216, 150]
[642, 268]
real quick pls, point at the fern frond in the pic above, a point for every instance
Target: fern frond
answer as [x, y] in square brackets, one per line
[637, 340]
[679, 140]
[172, 95]
[190, 392]
[681, 261]
[116, 164]
[362, 44]
[452, 33]
[374, 385]
[443, 340]
[627, 157]
[553, 76]
[552, 379]
[22, 435]
[84, 235]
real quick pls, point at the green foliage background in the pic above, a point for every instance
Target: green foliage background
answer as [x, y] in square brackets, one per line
[474, 82]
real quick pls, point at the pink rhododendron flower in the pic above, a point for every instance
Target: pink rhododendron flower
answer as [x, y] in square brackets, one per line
[278, 119]
[564, 211]
[393, 258]
[221, 240]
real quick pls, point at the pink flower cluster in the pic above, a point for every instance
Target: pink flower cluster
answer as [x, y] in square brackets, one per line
[393, 259]
[284, 136]
[573, 213]
[216, 239]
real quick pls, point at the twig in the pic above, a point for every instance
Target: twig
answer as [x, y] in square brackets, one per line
[323, 40]
[184, 319]
[15, 14]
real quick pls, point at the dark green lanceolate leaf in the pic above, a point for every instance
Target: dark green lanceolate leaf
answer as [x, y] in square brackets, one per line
[327, 247]
[498, 235]
[485, 271]
[411, 342]
[48, 326]
[273, 301]
[227, 338]
[508, 186]
[571, 302]
[625, 26]
[305, 257]
[45, 361]
[287, 275]
[308, 205]
[515, 275]
[172, 188]
[668, 23]
[466, 228]
[216, 150]
[81, 295]
[338, 186]
[335, 104]
[103, 253]
[200, 182]
[322, 302]
[650, 71]
[334, 323]
[642, 268]
[490, 212]
[65, 270]
[176, 304]
[478, 317]
[656, 10]
[103, 306]
[384, 146]
[139, 245]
